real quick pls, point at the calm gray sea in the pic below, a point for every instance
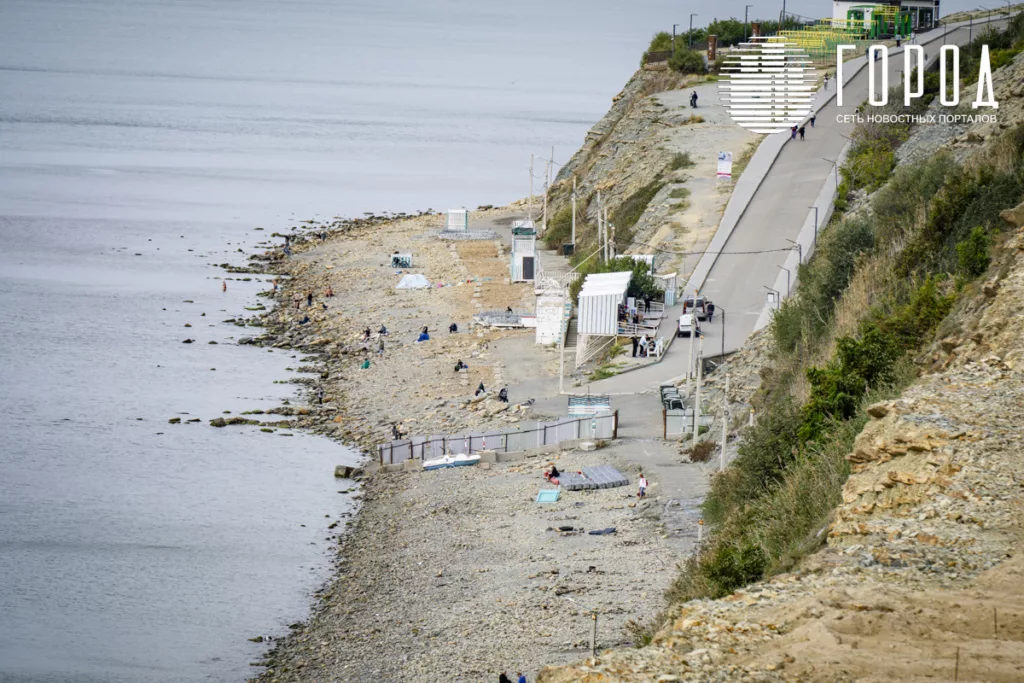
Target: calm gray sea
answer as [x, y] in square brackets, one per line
[141, 141]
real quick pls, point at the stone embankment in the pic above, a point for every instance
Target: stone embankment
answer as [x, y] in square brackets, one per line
[920, 577]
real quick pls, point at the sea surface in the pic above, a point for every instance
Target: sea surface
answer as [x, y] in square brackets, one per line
[142, 141]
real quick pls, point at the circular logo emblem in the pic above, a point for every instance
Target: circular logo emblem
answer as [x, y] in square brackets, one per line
[767, 86]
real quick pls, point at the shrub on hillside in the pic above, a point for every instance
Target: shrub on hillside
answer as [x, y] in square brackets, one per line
[687, 62]
[972, 254]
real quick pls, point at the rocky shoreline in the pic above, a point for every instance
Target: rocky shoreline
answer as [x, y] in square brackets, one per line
[457, 571]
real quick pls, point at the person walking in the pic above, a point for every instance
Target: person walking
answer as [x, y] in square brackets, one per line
[642, 487]
[320, 395]
[792, 133]
[224, 286]
[635, 341]
[711, 311]
[802, 129]
[826, 82]
[813, 118]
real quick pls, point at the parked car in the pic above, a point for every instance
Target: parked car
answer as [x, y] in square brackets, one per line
[698, 304]
[687, 324]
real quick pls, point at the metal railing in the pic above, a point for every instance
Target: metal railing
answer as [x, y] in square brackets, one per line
[602, 426]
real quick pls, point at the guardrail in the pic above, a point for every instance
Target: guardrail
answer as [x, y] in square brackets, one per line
[603, 426]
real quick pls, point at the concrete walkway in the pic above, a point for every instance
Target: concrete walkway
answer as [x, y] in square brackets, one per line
[737, 282]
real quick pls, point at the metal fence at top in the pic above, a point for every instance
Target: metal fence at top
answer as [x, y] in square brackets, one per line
[602, 426]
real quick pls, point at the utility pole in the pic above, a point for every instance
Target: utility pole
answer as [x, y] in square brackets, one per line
[689, 362]
[607, 238]
[725, 423]
[612, 242]
[547, 185]
[561, 354]
[696, 400]
[722, 318]
[782, 17]
[674, 39]
[689, 36]
[600, 227]
[574, 215]
[530, 204]
[746, 8]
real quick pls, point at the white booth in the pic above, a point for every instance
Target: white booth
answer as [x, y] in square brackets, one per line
[599, 302]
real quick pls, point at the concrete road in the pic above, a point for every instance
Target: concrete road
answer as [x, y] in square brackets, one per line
[737, 282]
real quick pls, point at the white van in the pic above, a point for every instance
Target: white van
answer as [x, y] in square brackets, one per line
[698, 304]
[687, 324]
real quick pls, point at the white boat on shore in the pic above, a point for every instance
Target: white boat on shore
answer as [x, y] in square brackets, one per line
[460, 460]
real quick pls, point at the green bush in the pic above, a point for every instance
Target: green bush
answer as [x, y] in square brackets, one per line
[681, 160]
[687, 62]
[972, 253]
[559, 228]
[679, 193]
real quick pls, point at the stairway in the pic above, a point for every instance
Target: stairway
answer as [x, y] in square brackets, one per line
[570, 335]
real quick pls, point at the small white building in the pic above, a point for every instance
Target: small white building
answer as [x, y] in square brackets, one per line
[599, 302]
[458, 220]
[524, 254]
[552, 312]
[924, 13]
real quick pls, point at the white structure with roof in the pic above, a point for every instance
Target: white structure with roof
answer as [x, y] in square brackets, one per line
[458, 220]
[524, 255]
[598, 307]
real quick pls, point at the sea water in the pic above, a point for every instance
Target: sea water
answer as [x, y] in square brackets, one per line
[140, 144]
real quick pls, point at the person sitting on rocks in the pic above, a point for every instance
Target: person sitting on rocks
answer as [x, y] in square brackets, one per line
[330, 291]
[366, 334]
[423, 336]
[460, 365]
[508, 310]
[553, 474]
[503, 395]
[480, 389]
[383, 331]
[453, 328]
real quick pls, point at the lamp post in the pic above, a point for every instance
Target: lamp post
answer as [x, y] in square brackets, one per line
[836, 164]
[799, 250]
[745, 15]
[815, 242]
[674, 39]
[689, 36]
[722, 311]
[788, 290]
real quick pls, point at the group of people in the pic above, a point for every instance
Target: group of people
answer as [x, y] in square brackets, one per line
[642, 343]
[520, 678]
[802, 128]
[502, 395]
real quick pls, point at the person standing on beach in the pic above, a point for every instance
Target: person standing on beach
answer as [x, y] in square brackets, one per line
[309, 299]
[380, 346]
[642, 492]
[298, 301]
[224, 286]
[320, 395]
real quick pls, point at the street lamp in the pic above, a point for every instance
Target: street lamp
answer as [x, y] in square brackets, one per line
[799, 250]
[674, 39]
[722, 311]
[747, 7]
[815, 242]
[836, 163]
[788, 290]
[689, 36]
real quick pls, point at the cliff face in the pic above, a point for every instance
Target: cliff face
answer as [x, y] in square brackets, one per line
[921, 567]
[921, 575]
